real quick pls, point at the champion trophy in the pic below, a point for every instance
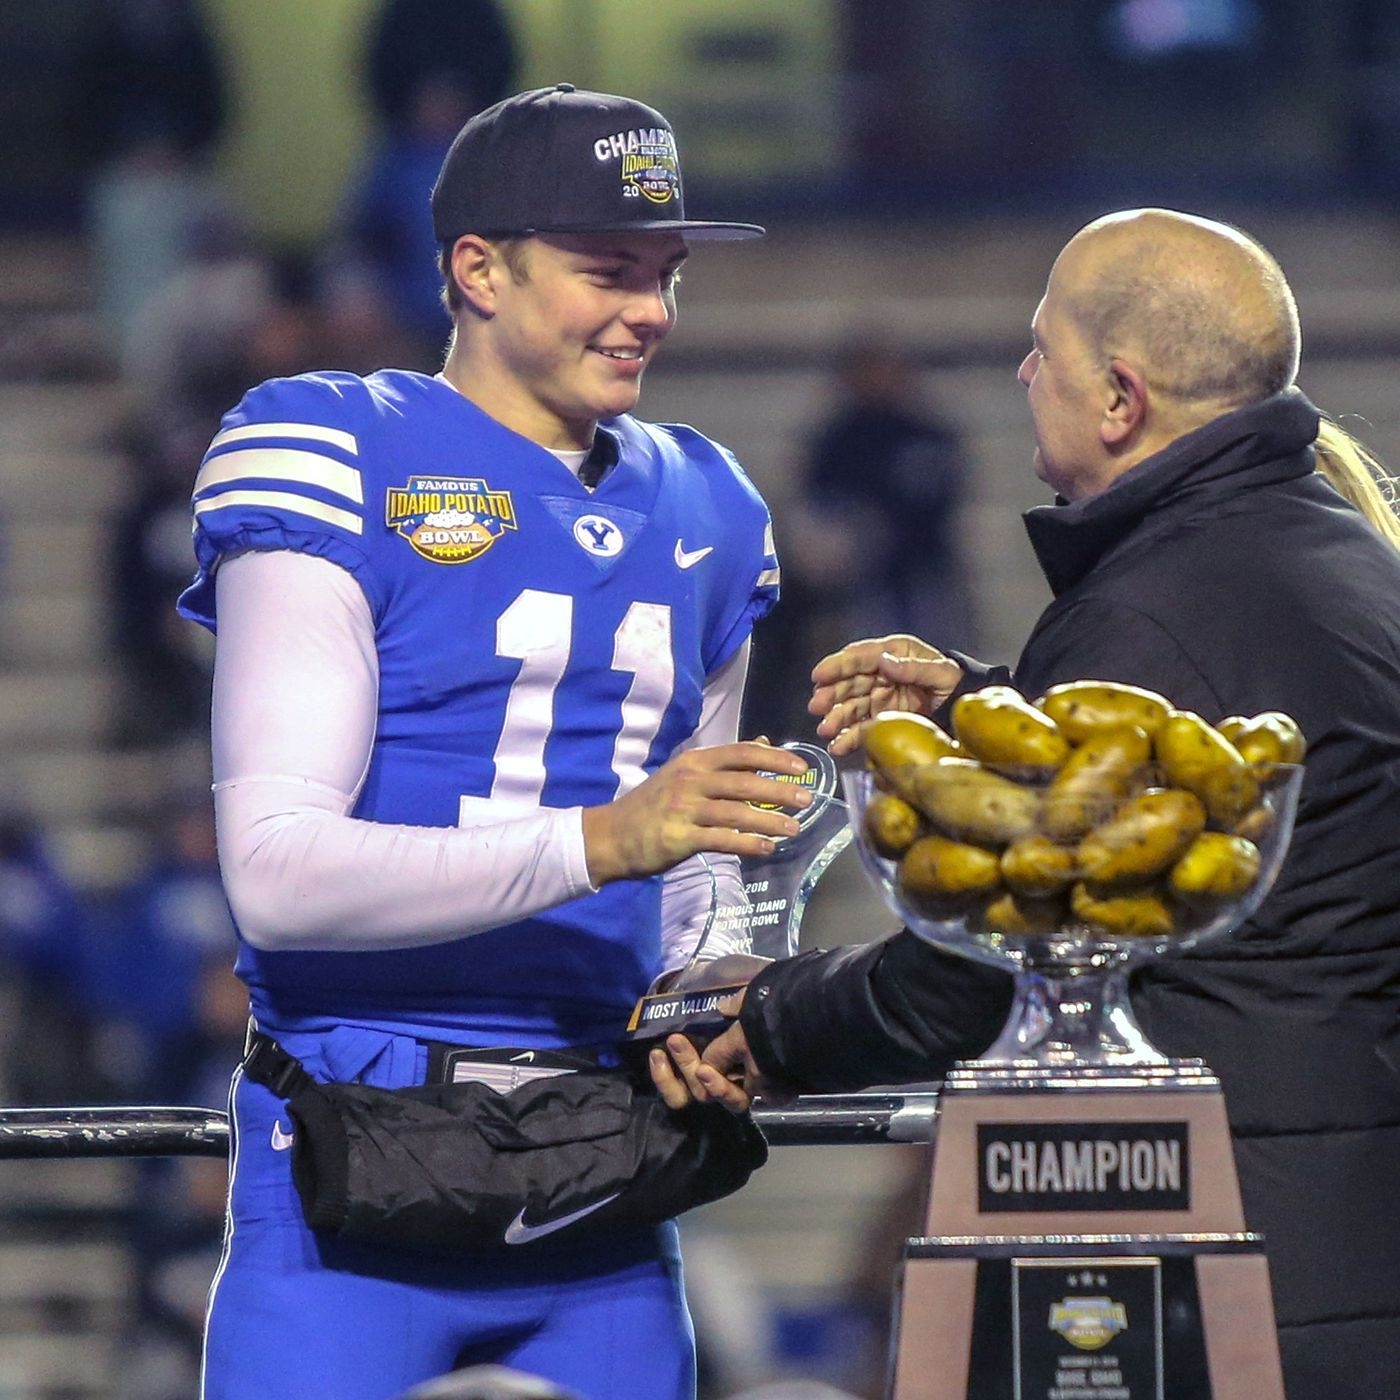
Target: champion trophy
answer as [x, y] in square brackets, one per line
[1084, 1236]
[751, 926]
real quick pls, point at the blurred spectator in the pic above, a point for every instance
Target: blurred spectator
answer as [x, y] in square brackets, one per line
[172, 957]
[43, 935]
[359, 330]
[430, 65]
[882, 489]
[164, 661]
[145, 105]
[230, 318]
[187, 350]
[196, 1041]
[467, 43]
[871, 545]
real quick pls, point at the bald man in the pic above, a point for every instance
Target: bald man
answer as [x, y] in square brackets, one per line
[1195, 550]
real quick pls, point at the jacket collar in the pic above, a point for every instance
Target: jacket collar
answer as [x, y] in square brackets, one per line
[1252, 446]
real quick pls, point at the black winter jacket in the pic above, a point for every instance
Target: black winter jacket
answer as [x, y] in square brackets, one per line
[1227, 574]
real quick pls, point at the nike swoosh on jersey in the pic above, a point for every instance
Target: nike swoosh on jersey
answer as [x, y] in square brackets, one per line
[281, 1140]
[527, 1055]
[518, 1232]
[689, 558]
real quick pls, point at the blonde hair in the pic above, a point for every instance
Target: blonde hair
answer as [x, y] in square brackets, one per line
[1356, 474]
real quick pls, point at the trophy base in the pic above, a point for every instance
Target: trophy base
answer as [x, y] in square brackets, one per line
[1092, 1213]
[1093, 1318]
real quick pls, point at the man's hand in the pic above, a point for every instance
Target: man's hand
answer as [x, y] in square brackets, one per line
[898, 672]
[699, 801]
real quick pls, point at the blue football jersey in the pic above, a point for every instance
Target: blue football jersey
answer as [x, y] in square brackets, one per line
[539, 645]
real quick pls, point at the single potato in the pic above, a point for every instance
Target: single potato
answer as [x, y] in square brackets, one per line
[1271, 737]
[1035, 866]
[1256, 825]
[1142, 840]
[897, 743]
[1197, 757]
[1107, 767]
[934, 865]
[971, 803]
[1140, 914]
[999, 726]
[1216, 867]
[1231, 725]
[1015, 914]
[891, 825]
[1081, 707]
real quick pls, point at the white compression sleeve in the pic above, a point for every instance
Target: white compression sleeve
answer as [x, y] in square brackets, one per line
[295, 700]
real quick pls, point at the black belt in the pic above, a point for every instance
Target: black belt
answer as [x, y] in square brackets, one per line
[503, 1067]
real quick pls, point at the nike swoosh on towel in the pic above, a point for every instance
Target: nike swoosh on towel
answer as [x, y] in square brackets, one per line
[518, 1232]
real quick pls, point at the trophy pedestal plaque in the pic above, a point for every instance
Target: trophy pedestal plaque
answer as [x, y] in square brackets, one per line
[1084, 1240]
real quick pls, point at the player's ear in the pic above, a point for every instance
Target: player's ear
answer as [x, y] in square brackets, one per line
[475, 267]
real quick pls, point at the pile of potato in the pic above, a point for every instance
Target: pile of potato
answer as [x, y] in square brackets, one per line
[1098, 806]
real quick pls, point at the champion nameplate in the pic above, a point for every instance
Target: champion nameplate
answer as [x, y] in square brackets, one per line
[1083, 1166]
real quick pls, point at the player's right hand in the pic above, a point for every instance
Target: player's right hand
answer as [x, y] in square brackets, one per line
[897, 672]
[699, 801]
[723, 1072]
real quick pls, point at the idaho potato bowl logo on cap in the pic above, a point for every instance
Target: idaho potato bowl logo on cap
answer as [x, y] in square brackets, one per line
[648, 163]
[655, 176]
[450, 520]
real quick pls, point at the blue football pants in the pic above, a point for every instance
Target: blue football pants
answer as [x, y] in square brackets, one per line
[293, 1316]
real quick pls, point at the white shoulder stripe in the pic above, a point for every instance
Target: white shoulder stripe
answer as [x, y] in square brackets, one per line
[284, 500]
[313, 432]
[770, 578]
[768, 545]
[282, 464]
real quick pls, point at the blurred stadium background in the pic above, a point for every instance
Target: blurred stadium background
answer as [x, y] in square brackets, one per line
[918, 163]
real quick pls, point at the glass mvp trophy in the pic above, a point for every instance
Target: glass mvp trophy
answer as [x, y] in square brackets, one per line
[1084, 1236]
[757, 924]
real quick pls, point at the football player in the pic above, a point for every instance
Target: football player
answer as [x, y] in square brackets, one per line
[482, 639]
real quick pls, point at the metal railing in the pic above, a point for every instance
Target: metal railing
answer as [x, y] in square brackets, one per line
[825, 1120]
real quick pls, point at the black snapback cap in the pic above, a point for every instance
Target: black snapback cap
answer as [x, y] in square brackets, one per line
[559, 160]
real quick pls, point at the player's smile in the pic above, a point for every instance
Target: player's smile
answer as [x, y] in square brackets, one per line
[574, 337]
[622, 357]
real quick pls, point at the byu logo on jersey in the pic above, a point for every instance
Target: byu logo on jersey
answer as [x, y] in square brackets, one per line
[598, 535]
[450, 520]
